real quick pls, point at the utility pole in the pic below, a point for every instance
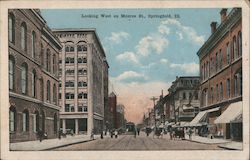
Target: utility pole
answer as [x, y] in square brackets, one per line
[154, 99]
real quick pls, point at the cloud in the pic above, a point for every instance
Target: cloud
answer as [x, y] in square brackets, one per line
[117, 37]
[151, 44]
[136, 97]
[189, 32]
[180, 35]
[127, 56]
[163, 61]
[189, 68]
[163, 29]
[129, 75]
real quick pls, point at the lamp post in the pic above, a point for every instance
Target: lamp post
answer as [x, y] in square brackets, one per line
[154, 99]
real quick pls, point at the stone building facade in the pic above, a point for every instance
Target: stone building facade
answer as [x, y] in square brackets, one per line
[221, 74]
[112, 105]
[184, 99]
[33, 76]
[83, 76]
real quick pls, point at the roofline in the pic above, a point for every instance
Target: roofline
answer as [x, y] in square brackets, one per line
[82, 30]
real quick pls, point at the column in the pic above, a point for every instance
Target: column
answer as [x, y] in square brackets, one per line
[90, 125]
[63, 78]
[64, 125]
[76, 126]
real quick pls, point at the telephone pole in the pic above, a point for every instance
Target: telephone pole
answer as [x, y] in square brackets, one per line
[154, 99]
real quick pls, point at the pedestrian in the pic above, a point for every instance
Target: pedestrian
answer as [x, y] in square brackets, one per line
[138, 131]
[162, 132]
[135, 133]
[116, 133]
[92, 135]
[101, 135]
[111, 133]
[59, 133]
[40, 135]
[190, 132]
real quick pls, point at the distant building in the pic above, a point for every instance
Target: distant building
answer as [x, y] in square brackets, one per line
[83, 80]
[221, 76]
[120, 111]
[113, 104]
[184, 99]
[33, 76]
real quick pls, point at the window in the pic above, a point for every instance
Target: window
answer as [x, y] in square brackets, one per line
[69, 95]
[212, 94]
[23, 36]
[221, 59]
[221, 91]
[235, 48]
[54, 93]
[85, 96]
[196, 95]
[67, 49]
[42, 89]
[36, 121]
[25, 120]
[82, 84]
[238, 83]
[60, 84]
[11, 73]
[216, 61]
[33, 45]
[82, 95]
[72, 49]
[82, 71]
[190, 95]
[48, 60]
[81, 48]
[11, 28]
[54, 64]
[85, 109]
[228, 53]
[217, 92]
[69, 60]
[60, 95]
[12, 119]
[239, 44]
[70, 72]
[42, 55]
[48, 90]
[228, 88]
[24, 76]
[69, 84]
[69, 108]
[80, 109]
[183, 95]
[235, 85]
[33, 83]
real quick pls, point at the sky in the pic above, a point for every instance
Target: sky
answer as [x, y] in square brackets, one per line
[145, 53]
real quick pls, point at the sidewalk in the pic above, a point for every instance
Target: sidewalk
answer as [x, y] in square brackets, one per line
[206, 140]
[232, 145]
[49, 144]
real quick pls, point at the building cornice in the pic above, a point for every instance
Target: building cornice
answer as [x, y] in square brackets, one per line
[34, 100]
[222, 30]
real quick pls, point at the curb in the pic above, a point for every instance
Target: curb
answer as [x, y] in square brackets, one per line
[64, 145]
[205, 142]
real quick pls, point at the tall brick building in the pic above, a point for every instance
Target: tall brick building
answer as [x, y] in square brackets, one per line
[33, 76]
[83, 73]
[221, 76]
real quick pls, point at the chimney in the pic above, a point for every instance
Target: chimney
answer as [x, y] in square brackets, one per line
[223, 14]
[213, 27]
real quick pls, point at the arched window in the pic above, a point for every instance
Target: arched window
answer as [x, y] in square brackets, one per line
[184, 95]
[217, 92]
[11, 72]
[67, 49]
[12, 119]
[33, 83]
[221, 91]
[23, 36]
[11, 28]
[228, 88]
[36, 121]
[42, 89]
[33, 45]
[212, 94]
[221, 57]
[239, 44]
[216, 61]
[54, 93]
[25, 120]
[72, 49]
[48, 90]
[42, 55]
[54, 64]
[55, 123]
[24, 77]
[228, 53]
[234, 47]
[48, 60]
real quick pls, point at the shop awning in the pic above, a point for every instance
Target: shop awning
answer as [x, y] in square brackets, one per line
[231, 113]
[198, 118]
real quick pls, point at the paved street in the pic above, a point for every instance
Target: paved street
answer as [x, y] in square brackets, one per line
[128, 142]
